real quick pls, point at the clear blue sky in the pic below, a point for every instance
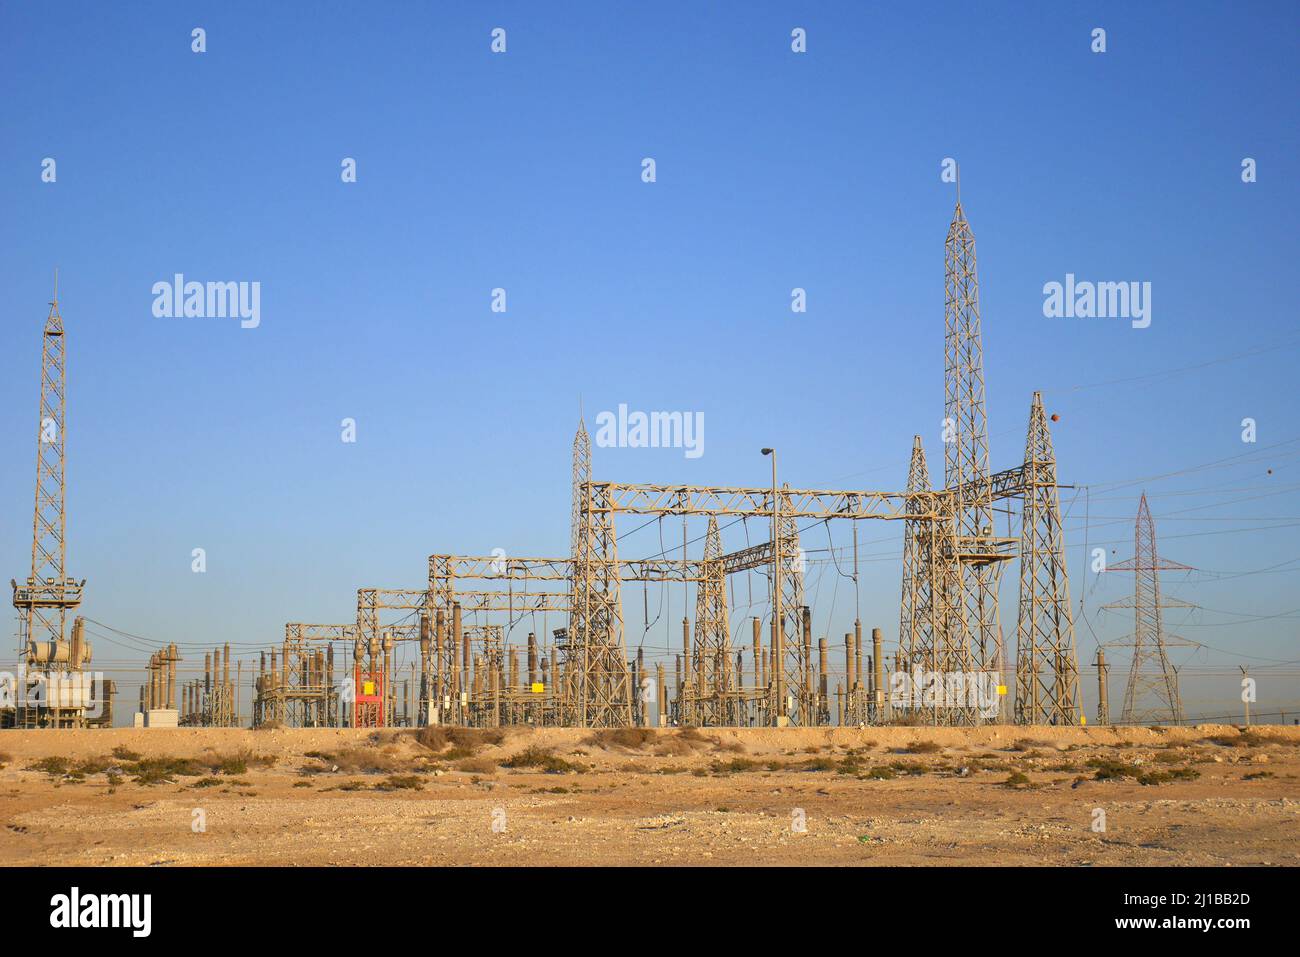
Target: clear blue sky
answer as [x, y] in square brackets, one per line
[522, 171]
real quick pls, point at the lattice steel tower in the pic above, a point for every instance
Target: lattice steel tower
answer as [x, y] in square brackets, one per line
[48, 595]
[1047, 668]
[1151, 672]
[972, 560]
[599, 679]
[712, 683]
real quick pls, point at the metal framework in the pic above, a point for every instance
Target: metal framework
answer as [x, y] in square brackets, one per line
[1150, 673]
[708, 695]
[1047, 670]
[971, 640]
[949, 621]
[298, 689]
[45, 599]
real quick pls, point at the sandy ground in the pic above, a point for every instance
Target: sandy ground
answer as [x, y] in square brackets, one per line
[875, 796]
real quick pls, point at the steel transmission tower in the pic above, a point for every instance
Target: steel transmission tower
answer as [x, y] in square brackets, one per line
[971, 566]
[1150, 672]
[712, 682]
[600, 682]
[44, 600]
[1047, 669]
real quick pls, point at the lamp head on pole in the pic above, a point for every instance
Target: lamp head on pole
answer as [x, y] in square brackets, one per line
[767, 451]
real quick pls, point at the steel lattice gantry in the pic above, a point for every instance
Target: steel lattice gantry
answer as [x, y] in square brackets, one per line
[604, 500]
[949, 621]
[298, 689]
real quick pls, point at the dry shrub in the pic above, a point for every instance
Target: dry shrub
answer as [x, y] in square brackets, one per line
[366, 760]
[397, 782]
[465, 741]
[477, 766]
[239, 762]
[163, 770]
[542, 759]
[434, 738]
[1027, 744]
[685, 741]
[54, 766]
[920, 747]
[627, 739]
[731, 747]
[734, 765]
[1248, 738]
[818, 764]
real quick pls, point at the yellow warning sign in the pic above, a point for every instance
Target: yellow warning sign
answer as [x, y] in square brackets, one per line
[539, 688]
[367, 688]
[1002, 689]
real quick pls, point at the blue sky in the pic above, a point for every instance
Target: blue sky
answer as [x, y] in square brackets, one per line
[775, 170]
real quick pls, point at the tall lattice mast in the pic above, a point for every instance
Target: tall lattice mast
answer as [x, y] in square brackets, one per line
[1151, 673]
[601, 682]
[44, 600]
[581, 476]
[1047, 668]
[971, 559]
[916, 629]
[571, 651]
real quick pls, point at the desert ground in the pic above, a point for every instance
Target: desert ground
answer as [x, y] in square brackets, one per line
[996, 796]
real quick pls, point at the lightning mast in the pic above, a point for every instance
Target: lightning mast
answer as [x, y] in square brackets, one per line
[48, 595]
[967, 569]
